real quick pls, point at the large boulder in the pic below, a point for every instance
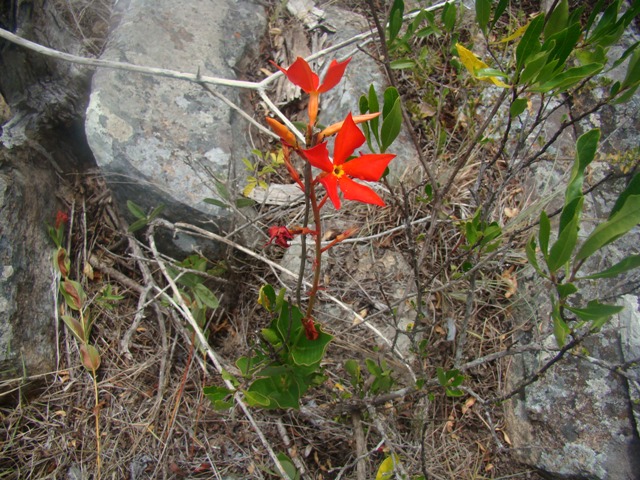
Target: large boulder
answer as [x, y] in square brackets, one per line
[41, 127]
[163, 141]
[27, 288]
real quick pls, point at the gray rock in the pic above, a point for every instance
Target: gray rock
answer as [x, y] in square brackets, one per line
[167, 141]
[577, 421]
[27, 341]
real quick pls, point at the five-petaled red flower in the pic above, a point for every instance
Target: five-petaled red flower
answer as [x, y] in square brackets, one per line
[280, 235]
[340, 172]
[300, 74]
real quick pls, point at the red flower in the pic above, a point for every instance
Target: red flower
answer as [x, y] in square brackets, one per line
[281, 235]
[310, 329]
[300, 74]
[61, 218]
[340, 173]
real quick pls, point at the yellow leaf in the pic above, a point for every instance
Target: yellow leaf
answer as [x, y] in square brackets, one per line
[385, 470]
[473, 64]
[248, 189]
[520, 31]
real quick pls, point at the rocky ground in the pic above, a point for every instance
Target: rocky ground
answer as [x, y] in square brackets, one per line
[153, 419]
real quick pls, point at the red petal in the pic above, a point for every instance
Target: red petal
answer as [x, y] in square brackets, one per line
[318, 156]
[348, 139]
[330, 183]
[358, 192]
[301, 75]
[334, 75]
[368, 167]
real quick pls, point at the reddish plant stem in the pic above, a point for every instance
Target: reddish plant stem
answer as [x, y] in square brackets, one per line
[318, 257]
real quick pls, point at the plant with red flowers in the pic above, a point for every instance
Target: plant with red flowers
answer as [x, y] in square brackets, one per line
[287, 362]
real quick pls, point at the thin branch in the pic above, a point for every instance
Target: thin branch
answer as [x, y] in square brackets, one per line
[95, 62]
[193, 230]
[179, 304]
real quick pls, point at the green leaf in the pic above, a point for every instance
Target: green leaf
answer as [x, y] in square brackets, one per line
[374, 106]
[563, 43]
[310, 352]
[390, 97]
[402, 64]
[529, 44]
[557, 20]
[569, 78]
[75, 327]
[271, 336]
[138, 225]
[606, 24]
[245, 202]
[391, 125]
[620, 223]
[625, 96]
[597, 8]
[632, 189]
[569, 212]
[533, 67]
[157, 211]
[566, 289]
[595, 311]
[560, 328]
[563, 248]
[216, 202]
[593, 55]
[136, 210]
[626, 264]
[395, 19]
[256, 399]
[288, 467]
[547, 72]
[363, 104]
[267, 297]
[518, 106]
[281, 391]
[483, 12]
[530, 250]
[222, 190]
[217, 396]
[206, 296]
[586, 148]
[500, 9]
[353, 369]
[544, 233]
[629, 51]
[289, 322]
[449, 13]
[633, 70]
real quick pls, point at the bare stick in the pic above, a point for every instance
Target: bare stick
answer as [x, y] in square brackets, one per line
[181, 307]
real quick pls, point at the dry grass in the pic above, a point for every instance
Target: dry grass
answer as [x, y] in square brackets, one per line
[156, 423]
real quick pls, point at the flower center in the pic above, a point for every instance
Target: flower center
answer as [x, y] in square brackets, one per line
[338, 171]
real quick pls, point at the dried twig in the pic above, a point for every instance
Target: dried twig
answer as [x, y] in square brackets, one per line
[183, 309]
